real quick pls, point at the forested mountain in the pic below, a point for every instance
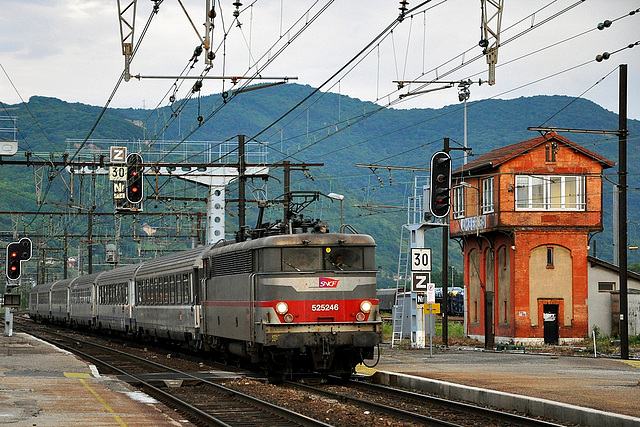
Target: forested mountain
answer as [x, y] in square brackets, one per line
[335, 130]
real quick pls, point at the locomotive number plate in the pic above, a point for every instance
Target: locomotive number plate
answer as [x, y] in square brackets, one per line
[324, 307]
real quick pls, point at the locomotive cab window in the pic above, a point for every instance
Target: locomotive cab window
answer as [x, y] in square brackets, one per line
[343, 258]
[301, 259]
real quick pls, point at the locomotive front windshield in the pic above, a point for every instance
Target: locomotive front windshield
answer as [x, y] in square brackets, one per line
[324, 258]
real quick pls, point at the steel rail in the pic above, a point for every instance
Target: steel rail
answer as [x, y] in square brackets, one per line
[202, 416]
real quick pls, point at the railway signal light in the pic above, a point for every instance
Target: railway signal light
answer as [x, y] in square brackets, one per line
[135, 178]
[16, 253]
[440, 201]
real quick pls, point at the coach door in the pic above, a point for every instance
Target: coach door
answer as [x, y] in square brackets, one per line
[550, 318]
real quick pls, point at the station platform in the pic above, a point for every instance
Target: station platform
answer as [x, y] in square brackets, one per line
[576, 389]
[41, 385]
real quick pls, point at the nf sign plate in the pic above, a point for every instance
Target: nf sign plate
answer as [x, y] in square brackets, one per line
[419, 281]
[420, 259]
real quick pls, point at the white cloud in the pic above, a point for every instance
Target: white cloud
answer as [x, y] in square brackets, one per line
[70, 49]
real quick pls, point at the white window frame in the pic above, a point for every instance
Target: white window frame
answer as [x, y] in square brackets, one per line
[550, 193]
[458, 202]
[487, 196]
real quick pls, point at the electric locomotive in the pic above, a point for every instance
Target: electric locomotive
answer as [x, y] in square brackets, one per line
[295, 302]
[290, 297]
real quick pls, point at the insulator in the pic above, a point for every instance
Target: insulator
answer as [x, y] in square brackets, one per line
[237, 4]
[605, 24]
[200, 119]
[197, 51]
[172, 98]
[211, 55]
[197, 86]
[483, 43]
[212, 13]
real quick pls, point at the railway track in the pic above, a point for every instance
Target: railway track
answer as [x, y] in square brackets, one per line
[420, 408]
[207, 403]
[243, 399]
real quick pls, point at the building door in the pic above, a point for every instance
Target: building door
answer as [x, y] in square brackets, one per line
[550, 318]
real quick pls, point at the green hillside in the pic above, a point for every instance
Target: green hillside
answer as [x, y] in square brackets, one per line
[335, 130]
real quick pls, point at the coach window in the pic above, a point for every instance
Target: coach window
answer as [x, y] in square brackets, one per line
[185, 289]
[153, 293]
[179, 286]
[172, 290]
[301, 259]
[144, 298]
[139, 292]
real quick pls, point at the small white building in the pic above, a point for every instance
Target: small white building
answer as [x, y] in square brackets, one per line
[604, 298]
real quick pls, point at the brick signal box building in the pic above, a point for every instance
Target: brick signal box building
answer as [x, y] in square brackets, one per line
[524, 214]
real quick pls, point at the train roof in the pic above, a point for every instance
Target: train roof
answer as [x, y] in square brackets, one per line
[85, 280]
[41, 287]
[119, 274]
[46, 287]
[306, 239]
[190, 258]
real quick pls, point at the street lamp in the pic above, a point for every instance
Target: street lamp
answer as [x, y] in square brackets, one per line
[340, 197]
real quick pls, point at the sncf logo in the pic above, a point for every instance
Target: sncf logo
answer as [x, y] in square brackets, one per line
[326, 282]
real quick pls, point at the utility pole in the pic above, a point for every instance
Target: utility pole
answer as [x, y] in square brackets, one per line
[622, 200]
[445, 268]
[242, 168]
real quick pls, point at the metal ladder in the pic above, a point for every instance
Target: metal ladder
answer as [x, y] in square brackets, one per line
[402, 281]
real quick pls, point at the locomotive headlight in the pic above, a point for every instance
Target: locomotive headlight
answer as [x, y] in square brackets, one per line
[365, 306]
[282, 308]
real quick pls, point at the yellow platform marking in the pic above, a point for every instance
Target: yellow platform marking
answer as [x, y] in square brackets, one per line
[81, 377]
[76, 375]
[361, 369]
[634, 363]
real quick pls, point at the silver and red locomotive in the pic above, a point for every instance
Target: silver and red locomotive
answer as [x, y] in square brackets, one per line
[298, 301]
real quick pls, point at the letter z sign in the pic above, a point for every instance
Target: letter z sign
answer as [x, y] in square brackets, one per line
[419, 281]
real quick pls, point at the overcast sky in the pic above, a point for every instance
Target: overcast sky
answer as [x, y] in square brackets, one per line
[71, 49]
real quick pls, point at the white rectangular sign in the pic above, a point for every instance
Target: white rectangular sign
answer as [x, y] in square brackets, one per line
[420, 259]
[117, 173]
[431, 293]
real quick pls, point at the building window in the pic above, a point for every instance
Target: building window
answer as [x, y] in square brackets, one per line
[487, 195]
[546, 192]
[606, 286]
[549, 257]
[550, 152]
[458, 202]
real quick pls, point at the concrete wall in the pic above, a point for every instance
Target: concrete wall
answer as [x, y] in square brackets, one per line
[600, 303]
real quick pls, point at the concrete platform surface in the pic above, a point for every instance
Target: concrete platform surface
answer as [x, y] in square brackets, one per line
[600, 384]
[41, 385]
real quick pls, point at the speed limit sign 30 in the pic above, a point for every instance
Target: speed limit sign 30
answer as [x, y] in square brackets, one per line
[420, 259]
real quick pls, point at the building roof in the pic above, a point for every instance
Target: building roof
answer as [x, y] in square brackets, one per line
[495, 158]
[611, 267]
